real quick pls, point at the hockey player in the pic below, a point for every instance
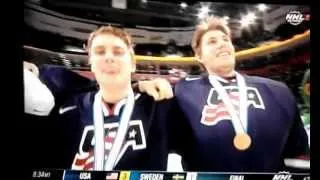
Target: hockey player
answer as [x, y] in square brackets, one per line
[234, 122]
[111, 127]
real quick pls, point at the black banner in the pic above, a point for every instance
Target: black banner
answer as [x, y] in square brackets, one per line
[146, 175]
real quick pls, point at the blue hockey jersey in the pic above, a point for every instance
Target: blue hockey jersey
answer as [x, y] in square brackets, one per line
[46, 142]
[205, 134]
[146, 141]
[145, 146]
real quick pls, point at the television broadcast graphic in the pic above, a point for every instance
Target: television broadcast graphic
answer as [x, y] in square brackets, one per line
[167, 90]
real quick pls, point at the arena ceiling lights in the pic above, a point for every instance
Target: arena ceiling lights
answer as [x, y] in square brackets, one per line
[183, 5]
[262, 7]
[248, 20]
[204, 12]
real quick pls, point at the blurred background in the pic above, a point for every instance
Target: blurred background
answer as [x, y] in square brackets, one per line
[268, 40]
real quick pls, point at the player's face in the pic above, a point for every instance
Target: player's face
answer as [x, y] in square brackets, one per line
[111, 60]
[217, 53]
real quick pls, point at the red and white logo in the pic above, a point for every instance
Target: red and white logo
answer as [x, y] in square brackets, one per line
[84, 159]
[216, 111]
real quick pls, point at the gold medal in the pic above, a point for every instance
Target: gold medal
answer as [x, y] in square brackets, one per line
[242, 141]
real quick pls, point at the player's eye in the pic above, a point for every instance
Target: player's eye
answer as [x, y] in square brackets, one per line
[226, 39]
[99, 51]
[119, 52]
[212, 41]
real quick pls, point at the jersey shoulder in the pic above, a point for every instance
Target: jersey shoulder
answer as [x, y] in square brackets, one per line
[279, 89]
[265, 81]
[189, 81]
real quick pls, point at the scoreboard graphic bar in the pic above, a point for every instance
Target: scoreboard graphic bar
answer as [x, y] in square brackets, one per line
[55, 174]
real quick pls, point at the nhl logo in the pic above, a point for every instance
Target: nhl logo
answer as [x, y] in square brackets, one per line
[294, 17]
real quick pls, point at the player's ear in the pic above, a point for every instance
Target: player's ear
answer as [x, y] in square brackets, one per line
[86, 49]
[197, 55]
[133, 59]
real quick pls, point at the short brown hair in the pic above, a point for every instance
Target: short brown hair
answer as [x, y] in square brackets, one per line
[122, 34]
[118, 32]
[210, 23]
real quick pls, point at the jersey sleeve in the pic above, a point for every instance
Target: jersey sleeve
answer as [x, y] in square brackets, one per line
[296, 150]
[296, 153]
[180, 132]
[64, 83]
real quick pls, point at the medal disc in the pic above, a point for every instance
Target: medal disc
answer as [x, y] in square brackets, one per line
[242, 141]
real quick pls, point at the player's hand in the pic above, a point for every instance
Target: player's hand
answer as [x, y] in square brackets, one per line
[158, 88]
[31, 67]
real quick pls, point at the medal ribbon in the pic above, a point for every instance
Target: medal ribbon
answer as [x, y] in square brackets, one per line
[240, 122]
[100, 164]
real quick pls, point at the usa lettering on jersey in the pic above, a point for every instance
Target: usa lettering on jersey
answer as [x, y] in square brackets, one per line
[215, 110]
[135, 138]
